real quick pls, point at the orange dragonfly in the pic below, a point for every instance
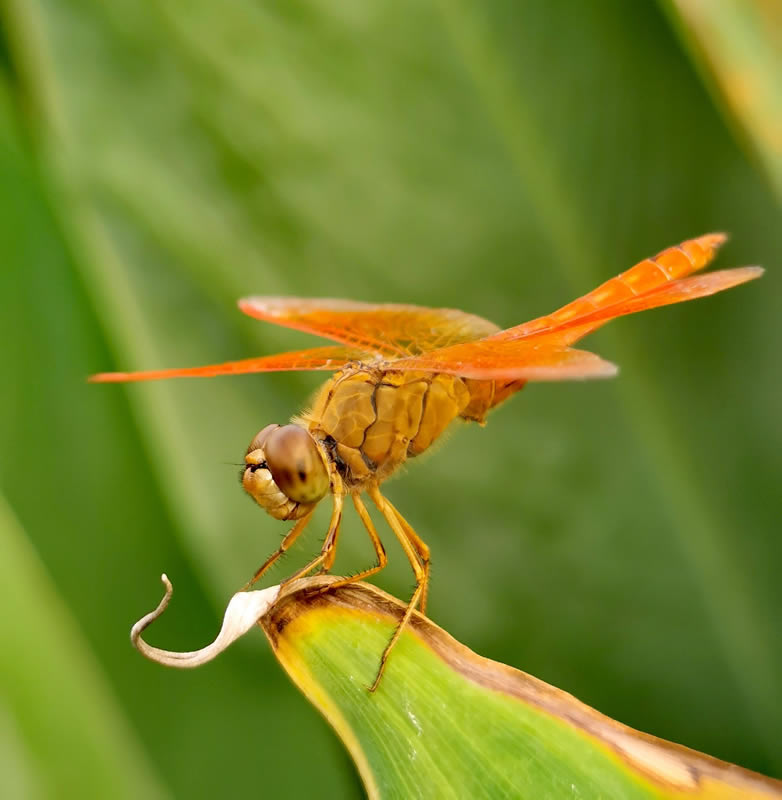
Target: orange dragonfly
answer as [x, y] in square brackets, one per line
[402, 374]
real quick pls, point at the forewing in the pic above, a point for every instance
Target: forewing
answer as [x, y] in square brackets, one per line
[489, 359]
[390, 330]
[317, 358]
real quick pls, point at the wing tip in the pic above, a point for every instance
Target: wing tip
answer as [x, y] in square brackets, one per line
[753, 271]
[611, 370]
[146, 375]
[736, 276]
[606, 369]
[248, 304]
[260, 302]
[107, 377]
[598, 369]
[267, 307]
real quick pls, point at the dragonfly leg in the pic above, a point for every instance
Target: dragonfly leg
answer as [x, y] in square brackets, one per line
[380, 551]
[328, 561]
[421, 573]
[287, 541]
[329, 543]
[423, 553]
[330, 553]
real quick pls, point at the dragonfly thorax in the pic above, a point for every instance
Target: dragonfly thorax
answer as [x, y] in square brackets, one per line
[368, 421]
[285, 472]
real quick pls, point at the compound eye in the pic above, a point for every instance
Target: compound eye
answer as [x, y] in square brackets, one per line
[260, 438]
[295, 464]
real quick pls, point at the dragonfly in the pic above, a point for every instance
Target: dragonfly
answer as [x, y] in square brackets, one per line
[402, 375]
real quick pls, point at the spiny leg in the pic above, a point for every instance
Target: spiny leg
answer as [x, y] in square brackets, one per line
[287, 541]
[337, 488]
[329, 542]
[421, 548]
[392, 517]
[331, 554]
[380, 551]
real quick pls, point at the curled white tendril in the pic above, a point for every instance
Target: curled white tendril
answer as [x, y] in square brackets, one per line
[243, 611]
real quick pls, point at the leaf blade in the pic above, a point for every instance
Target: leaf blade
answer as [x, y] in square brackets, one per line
[737, 46]
[65, 711]
[446, 722]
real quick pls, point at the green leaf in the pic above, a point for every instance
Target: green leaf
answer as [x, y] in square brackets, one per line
[57, 701]
[737, 45]
[445, 722]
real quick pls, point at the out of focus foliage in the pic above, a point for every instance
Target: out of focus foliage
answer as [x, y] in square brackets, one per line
[617, 539]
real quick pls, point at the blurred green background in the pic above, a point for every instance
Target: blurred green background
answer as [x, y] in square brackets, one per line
[618, 539]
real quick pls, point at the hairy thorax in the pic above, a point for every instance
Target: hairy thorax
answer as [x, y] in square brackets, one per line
[371, 420]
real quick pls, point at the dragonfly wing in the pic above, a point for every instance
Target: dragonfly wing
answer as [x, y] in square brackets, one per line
[389, 330]
[539, 350]
[519, 359]
[676, 292]
[317, 358]
[647, 276]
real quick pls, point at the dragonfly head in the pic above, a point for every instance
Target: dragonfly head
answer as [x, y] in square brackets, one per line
[285, 471]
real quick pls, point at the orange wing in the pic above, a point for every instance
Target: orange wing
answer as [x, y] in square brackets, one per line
[390, 330]
[446, 340]
[646, 277]
[317, 358]
[674, 292]
[537, 350]
[371, 332]
[492, 359]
